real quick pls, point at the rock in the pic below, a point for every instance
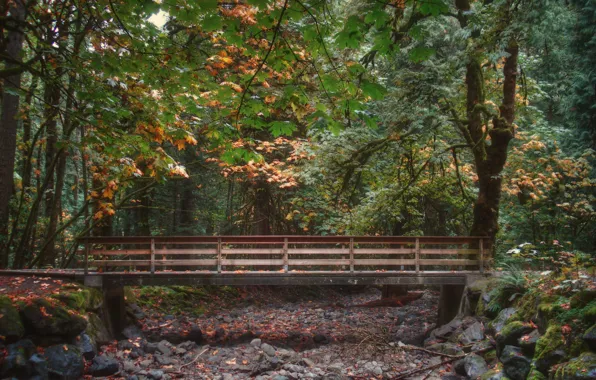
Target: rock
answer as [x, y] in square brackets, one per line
[150, 347]
[46, 319]
[85, 344]
[132, 332]
[497, 324]
[515, 365]
[97, 330]
[15, 361]
[307, 362]
[494, 374]
[580, 368]
[336, 367]
[473, 333]
[268, 349]
[129, 366]
[264, 365]
[535, 375]
[452, 376]
[590, 337]
[471, 366]
[156, 374]
[163, 360]
[445, 331]
[11, 327]
[103, 366]
[37, 367]
[528, 343]
[164, 348]
[256, 343]
[510, 334]
[446, 348]
[64, 361]
[549, 349]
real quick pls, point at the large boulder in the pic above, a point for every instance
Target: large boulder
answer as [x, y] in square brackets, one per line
[471, 366]
[46, 319]
[81, 299]
[580, 368]
[15, 362]
[11, 327]
[473, 333]
[97, 330]
[549, 349]
[64, 361]
[37, 367]
[510, 334]
[494, 374]
[515, 365]
[528, 343]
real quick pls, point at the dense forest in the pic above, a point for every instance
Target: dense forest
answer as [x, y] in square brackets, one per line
[258, 117]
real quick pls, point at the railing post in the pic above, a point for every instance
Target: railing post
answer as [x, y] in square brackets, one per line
[152, 256]
[481, 255]
[286, 261]
[352, 255]
[218, 255]
[417, 255]
[87, 257]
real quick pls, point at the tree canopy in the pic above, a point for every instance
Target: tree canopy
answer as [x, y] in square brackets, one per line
[399, 117]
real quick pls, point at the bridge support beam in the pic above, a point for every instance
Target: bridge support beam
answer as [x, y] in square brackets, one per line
[449, 302]
[114, 310]
[393, 291]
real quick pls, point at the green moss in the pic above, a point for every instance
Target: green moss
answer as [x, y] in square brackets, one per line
[535, 375]
[582, 298]
[549, 342]
[589, 312]
[11, 327]
[490, 356]
[526, 307]
[129, 294]
[80, 299]
[513, 326]
[582, 367]
[495, 373]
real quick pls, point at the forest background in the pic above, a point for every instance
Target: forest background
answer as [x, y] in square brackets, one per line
[363, 117]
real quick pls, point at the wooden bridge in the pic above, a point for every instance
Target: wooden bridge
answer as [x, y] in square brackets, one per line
[111, 263]
[282, 260]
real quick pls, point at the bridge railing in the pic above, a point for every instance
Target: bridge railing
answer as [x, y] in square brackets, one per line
[285, 253]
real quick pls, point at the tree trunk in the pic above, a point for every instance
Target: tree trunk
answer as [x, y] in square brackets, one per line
[8, 128]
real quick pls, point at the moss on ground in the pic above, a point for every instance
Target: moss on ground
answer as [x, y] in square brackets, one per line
[551, 340]
[181, 299]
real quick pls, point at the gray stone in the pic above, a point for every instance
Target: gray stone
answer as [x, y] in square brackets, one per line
[164, 348]
[103, 366]
[515, 365]
[446, 348]
[156, 374]
[64, 361]
[471, 366]
[308, 362]
[15, 361]
[129, 366]
[497, 324]
[256, 343]
[473, 333]
[336, 367]
[37, 367]
[590, 337]
[86, 346]
[132, 332]
[268, 349]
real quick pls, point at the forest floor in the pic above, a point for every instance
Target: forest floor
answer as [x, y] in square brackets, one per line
[279, 334]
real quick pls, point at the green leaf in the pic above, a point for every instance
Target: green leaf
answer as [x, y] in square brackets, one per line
[279, 128]
[421, 53]
[433, 7]
[374, 90]
[212, 23]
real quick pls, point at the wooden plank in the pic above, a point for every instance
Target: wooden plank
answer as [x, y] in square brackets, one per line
[318, 251]
[156, 263]
[449, 262]
[352, 255]
[173, 251]
[385, 262]
[319, 262]
[152, 256]
[285, 252]
[252, 251]
[417, 255]
[117, 252]
[252, 262]
[463, 251]
[384, 251]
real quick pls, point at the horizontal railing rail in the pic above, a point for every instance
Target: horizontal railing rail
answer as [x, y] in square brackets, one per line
[279, 253]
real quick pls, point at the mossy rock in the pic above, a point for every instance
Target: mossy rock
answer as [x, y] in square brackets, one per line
[535, 375]
[580, 368]
[590, 337]
[48, 320]
[510, 334]
[582, 298]
[589, 314]
[97, 330]
[526, 307]
[81, 299]
[11, 326]
[490, 356]
[550, 348]
[494, 374]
